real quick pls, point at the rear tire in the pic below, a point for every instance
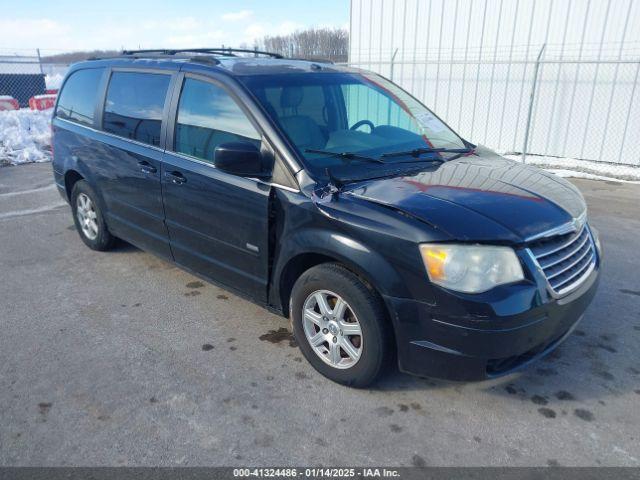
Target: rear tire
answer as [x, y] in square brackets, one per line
[341, 325]
[88, 218]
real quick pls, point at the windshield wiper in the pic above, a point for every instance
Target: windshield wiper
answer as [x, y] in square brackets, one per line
[416, 152]
[345, 155]
[459, 154]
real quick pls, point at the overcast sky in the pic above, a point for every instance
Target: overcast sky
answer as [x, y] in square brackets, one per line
[64, 25]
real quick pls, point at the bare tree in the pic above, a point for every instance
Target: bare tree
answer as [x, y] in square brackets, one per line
[313, 43]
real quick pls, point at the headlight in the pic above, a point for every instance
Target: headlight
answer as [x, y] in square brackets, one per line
[470, 268]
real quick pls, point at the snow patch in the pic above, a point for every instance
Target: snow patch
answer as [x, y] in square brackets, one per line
[25, 136]
[589, 176]
[53, 81]
[573, 167]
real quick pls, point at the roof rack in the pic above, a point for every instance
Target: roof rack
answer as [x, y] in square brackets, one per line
[313, 60]
[227, 52]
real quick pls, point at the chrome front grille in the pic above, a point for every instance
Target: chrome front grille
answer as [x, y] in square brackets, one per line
[565, 260]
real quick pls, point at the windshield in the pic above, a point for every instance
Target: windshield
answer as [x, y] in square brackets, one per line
[360, 114]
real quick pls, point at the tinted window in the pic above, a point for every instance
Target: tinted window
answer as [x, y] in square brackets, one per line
[365, 103]
[134, 105]
[78, 97]
[207, 117]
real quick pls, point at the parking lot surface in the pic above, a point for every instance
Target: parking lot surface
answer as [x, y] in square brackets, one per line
[121, 358]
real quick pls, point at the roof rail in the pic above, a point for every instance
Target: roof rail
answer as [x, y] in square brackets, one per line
[313, 60]
[227, 52]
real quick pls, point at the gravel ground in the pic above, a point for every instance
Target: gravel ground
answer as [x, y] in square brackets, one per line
[120, 358]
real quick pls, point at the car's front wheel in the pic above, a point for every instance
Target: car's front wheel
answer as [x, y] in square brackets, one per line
[88, 218]
[340, 325]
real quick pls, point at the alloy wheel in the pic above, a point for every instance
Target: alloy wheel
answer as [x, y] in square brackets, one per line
[332, 329]
[87, 217]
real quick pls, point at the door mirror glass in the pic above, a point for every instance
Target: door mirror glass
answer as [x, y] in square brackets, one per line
[240, 158]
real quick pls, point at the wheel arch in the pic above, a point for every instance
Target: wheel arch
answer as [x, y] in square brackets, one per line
[71, 177]
[300, 263]
[368, 265]
[77, 170]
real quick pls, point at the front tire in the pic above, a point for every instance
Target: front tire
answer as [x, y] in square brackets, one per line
[341, 326]
[88, 218]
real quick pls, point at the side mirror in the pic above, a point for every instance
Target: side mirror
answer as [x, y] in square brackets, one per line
[240, 158]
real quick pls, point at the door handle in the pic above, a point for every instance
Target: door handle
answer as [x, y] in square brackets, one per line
[146, 167]
[175, 177]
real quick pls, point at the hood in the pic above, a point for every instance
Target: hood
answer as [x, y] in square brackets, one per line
[483, 197]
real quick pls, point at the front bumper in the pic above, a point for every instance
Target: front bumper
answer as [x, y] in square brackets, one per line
[465, 338]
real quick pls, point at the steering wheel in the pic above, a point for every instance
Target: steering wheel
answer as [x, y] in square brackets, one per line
[368, 123]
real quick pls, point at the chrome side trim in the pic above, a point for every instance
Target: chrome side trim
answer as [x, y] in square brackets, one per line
[109, 134]
[283, 187]
[211, 165]
[573, 226]
[169, 152]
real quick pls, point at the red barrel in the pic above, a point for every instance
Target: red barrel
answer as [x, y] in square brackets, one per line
[42, 102]
[8, 103]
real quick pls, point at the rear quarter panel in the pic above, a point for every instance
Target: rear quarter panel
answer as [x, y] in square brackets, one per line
[75, 148]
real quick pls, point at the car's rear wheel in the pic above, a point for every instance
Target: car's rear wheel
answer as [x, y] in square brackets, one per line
[88, 218]
[340, 325]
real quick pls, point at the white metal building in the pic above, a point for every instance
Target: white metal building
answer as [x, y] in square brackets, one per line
[474, 63]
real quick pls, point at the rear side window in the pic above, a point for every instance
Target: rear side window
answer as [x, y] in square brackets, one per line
[78, 97]
[134, 105]
[207, 117]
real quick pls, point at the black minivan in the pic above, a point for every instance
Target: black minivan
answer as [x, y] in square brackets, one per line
[331, 196]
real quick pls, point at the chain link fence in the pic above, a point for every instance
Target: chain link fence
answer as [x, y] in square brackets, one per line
[28, 89]
[538, 102]
[553, 82]
[23, 76]
[562, 106]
